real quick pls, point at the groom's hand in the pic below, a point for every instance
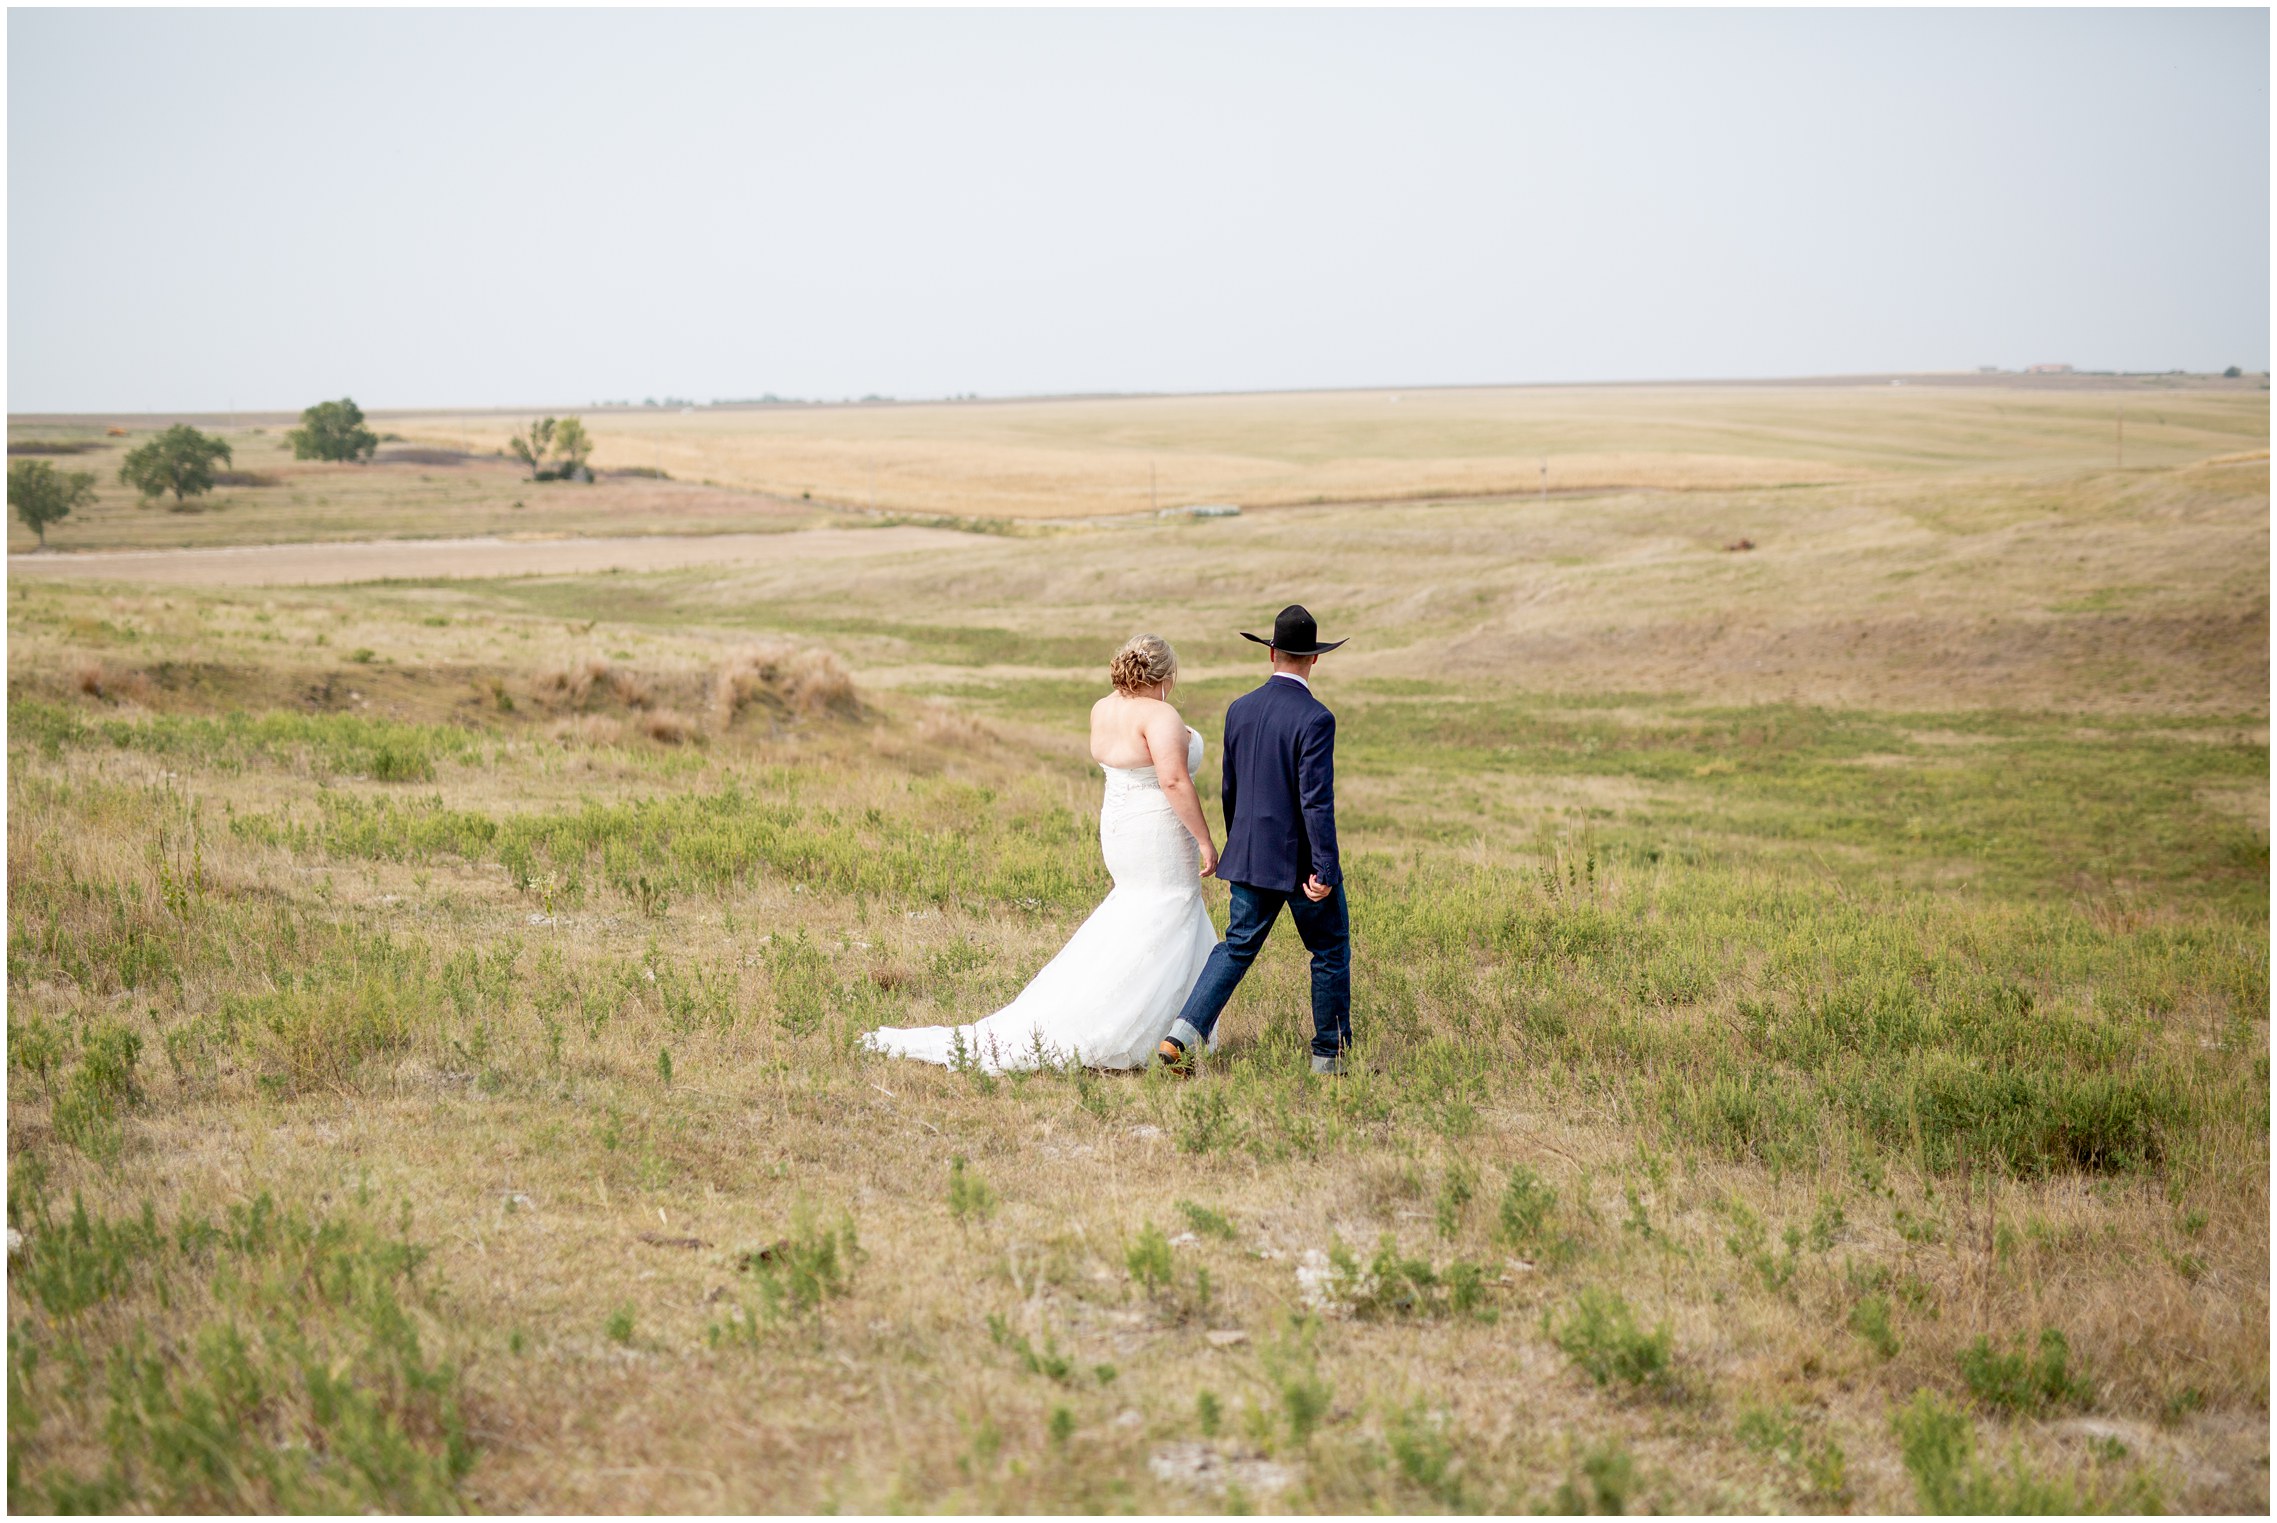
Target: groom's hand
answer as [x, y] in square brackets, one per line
[1315, 890]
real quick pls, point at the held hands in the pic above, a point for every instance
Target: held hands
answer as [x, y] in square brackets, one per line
[1315, 890]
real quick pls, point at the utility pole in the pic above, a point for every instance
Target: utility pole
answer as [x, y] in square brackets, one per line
[1545, 493]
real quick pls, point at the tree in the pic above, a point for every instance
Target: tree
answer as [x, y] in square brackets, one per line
[532, 444]
[2233, 373]
[180, 460]
[554, 449]
[41, 494]
[571, 442]
[333, 431]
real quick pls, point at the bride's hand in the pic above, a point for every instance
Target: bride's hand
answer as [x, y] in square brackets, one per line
[1209, 860]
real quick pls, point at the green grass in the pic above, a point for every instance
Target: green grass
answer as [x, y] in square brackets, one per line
[1939, 1447]
[273, 1360]
[1980, 1025]
[2026, 804]
[328, 744]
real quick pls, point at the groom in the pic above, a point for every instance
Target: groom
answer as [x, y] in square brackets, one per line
[1280, 848]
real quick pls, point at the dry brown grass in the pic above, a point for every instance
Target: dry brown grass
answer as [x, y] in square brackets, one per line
[588, 730]
[787, 679]
[1083, 458]
[587, 680]
[669, 726]
[96, 680]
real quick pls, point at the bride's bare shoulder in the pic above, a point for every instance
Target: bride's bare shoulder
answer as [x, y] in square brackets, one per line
[1144, 710]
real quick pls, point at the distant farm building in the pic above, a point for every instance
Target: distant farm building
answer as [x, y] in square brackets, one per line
[2047, 370]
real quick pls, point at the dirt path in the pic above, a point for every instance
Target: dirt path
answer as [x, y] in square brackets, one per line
[310, 565]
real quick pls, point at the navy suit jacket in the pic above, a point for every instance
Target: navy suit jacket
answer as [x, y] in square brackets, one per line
[1279, 793]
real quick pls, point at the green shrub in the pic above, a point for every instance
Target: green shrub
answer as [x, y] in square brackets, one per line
[812, 1265]
[1599, 1333]
[970, 1199]
[1527, 1204]
[1391, 1284]
[2020, 1380]
[1607, 1483]
[1292, 1368]
[1425, 1456]
[1206, 1122]
[402, 764]
[1938, 1446]
[1148, 1258]
[313, 1034]
[99, 1089]
[1750, 1243]
[1870, 1320]
[1206, 1222]
[1778, 1434]
[36, 1045]
[1455, 1191]
[108, 1055]
[1048, 1361]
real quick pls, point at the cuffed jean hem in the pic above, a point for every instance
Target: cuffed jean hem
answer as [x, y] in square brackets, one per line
[1186, 1036]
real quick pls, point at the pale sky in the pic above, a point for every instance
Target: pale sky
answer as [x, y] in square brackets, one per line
[255, 209]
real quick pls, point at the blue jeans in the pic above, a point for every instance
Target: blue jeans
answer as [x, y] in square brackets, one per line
[1327, 934]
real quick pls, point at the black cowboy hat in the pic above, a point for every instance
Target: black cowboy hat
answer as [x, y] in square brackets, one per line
[1295, 634]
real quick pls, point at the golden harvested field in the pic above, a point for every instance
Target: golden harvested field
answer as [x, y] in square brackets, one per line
[764, 469]
[1812, 998]
[1069, 459]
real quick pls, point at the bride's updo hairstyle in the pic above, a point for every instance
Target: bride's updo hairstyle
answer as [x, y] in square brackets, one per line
[1143, 661]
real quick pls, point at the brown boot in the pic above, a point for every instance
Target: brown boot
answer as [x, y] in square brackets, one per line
[1174, 1057]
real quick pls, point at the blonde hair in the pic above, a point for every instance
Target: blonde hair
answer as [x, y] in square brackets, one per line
[1143, 661]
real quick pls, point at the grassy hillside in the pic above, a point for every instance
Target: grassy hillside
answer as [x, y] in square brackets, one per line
[1813, 1005]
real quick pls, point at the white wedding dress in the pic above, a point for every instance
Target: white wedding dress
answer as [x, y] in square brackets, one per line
[1108, 998]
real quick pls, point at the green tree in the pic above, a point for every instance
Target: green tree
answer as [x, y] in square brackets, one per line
[532, 445]
[571, 442]
[333, 431]
[41, 494]
[180, 460]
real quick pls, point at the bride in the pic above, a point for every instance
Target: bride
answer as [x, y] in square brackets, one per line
[1110, 995]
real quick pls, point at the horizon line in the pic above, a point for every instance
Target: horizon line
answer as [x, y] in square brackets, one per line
[1974, 376]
